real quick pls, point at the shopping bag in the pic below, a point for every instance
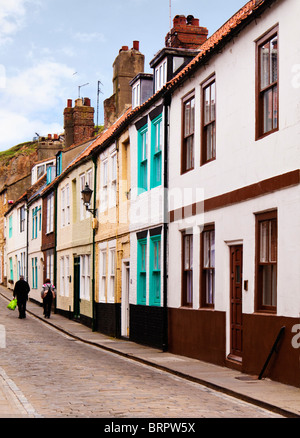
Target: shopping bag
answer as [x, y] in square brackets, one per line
[13, 304]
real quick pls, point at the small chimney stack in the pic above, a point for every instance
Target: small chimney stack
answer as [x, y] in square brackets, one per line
[186, 33]
[78, 121]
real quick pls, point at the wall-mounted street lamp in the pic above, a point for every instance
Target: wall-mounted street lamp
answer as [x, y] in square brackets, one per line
[86, 196]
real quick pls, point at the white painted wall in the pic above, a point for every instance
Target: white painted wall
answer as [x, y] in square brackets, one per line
[242, 161]
[16, 244]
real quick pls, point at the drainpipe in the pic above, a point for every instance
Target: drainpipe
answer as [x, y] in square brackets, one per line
[167, 101]
[94, 232]
[27, 240]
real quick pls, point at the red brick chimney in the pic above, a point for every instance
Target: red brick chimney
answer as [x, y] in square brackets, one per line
[186, 33]
[78, 121]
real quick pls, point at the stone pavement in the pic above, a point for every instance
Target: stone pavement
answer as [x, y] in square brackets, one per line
[276, 397]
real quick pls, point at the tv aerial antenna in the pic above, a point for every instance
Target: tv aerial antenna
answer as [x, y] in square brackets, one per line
[79, 88]
[98, 92]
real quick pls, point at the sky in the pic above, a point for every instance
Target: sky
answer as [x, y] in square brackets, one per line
[55, 50]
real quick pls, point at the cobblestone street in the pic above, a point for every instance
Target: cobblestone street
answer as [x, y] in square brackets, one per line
[59, 377]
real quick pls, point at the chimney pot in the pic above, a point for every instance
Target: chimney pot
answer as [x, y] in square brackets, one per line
[49, 136]
[69, 103]
[87, 101]
[124, 48]
[136, 45]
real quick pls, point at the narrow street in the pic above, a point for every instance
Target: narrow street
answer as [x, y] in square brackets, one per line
[59, 377]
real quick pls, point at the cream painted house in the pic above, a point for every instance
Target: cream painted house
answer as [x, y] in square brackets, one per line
[74, 251]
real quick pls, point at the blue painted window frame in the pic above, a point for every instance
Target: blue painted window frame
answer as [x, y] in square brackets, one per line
[10, 230]
[142, 271]
[143, 159]
[34, 273]
[11, 269]
[155, 271]
[156, 151]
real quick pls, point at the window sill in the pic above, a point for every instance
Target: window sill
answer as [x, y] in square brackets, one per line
[261, 136]
[207, 162]
[186, 171]
[265, 312]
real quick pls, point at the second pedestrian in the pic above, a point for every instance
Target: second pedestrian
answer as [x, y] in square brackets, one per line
[48, 294]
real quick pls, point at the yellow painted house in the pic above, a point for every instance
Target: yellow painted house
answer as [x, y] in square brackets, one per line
[112, 239]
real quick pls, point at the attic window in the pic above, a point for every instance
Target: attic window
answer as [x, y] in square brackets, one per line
[177, 62]
[40, 170]
[160, 75]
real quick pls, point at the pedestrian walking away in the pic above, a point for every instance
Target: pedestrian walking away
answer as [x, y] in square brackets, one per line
[21, 291]
[47, 294]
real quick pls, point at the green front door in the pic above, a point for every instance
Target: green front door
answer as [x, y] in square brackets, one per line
[76, 287]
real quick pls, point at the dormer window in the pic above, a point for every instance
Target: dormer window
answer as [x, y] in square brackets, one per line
[160, 75]
[136, 95]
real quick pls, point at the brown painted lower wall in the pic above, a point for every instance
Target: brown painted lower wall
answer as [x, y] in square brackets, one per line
[199, 334]
[259, 334]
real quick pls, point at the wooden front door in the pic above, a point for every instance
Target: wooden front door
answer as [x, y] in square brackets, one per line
[236, 313]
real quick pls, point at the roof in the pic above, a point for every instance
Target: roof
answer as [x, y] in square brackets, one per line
[33, 190]
[237, 22]
[87, 153]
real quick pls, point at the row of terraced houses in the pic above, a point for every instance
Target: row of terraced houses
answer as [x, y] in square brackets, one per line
[190, 241]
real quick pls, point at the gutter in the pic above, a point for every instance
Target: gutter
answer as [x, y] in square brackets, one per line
[166, 103]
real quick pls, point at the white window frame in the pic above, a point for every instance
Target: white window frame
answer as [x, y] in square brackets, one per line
[136, 95]
[62, 277]
[67, 275]
[102, 272]
[104, 185]
[160, 75]
[50, 209]
[113, 180]
[111, 273]
[85, 275]
[67, 204]
[63, 210]
[50, 265]
[82, 206]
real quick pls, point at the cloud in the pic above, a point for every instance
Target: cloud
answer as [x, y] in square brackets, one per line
[86, 37]
[33, 100]
[17, 128]
[12, 15]
[38, 87]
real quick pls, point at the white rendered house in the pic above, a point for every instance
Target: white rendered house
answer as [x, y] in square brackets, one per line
[234, 161]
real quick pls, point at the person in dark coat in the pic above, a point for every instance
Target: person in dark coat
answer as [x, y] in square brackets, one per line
[21, 291]
[48, 294]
